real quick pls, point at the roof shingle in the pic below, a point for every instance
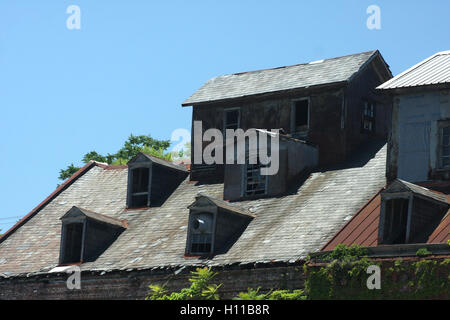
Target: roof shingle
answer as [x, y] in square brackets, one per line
[285, 228]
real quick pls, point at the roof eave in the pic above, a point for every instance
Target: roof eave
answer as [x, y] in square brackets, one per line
[414, 89]
[270, 93]
[50, 198]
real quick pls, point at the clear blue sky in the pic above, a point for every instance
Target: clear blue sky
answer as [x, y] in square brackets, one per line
[66, 92]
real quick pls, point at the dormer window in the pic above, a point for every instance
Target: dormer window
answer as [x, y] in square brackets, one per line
[86, 234]
[73, 242]
[409, 213]
[201, 239]
[245, 181]
[140, 196]
[152, 180]
[214, 226]
[255, 183]
[396, 221]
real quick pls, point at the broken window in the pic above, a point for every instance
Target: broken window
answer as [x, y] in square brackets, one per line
[368, 121]
[395, 221]
[140, 187]
[201, 234]
[255, 183]
[231, 119]
[301, 114]
[445, 147]
[73, 238]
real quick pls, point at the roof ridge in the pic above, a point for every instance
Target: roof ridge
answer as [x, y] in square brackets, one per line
[295, 65]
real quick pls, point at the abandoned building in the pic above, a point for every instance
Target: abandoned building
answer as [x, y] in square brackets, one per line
[412, 211]
[153, 221]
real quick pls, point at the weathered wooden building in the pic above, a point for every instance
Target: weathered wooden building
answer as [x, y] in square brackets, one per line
[412, 211]
[331, 104]
[153, 221]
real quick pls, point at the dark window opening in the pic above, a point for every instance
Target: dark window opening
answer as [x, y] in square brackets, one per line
[395, 221]
[140, 180]
[232, 119]
[140, 187]
[301, 114]
[368, 121]
[255, 183]
[445, 147]
[72, 243]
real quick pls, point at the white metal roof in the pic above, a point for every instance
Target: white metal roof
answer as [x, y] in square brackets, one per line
[431, 71]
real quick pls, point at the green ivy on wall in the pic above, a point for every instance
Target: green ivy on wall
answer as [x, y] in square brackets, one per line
[342, 274]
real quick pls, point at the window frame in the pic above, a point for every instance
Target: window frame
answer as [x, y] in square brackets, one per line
[225, 111]
[369, 117]
[395, 196]
[245, 180]
[64, 240]
[441, 126]
[130, 194]
[195, 212]
[294, 114]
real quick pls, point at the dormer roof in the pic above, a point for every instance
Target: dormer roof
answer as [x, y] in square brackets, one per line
[201, 199]
[76, 212]
[143, 157]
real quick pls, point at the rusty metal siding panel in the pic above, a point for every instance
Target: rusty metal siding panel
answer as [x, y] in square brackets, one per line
[431, 71]
[246, 84]
[442, 233]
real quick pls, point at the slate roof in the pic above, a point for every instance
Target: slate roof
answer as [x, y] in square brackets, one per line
[329, 71]
[285, 228]
[431, 71]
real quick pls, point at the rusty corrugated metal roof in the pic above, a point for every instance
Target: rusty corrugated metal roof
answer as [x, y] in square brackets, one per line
[362, 229]
[431, 71]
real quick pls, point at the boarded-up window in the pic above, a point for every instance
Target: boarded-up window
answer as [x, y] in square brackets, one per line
[445, 147]
[73, 238]
[395, 221]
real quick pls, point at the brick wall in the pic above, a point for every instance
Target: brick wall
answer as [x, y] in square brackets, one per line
[134, 285]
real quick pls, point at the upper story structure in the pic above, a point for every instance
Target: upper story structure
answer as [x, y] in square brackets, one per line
[331, 105]
[419, 145]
